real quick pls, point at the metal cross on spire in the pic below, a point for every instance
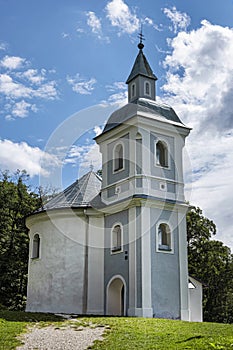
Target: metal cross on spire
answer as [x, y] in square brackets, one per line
[141, 38]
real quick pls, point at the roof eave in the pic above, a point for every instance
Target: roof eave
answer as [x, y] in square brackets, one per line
[130, 78]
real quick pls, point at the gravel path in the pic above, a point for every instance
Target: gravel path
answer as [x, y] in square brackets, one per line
[64, 338]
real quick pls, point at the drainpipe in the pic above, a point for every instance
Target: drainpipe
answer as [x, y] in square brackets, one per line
[85, 275]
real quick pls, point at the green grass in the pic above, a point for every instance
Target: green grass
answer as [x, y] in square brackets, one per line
[13, 323]
[139, 333]
[126, 333]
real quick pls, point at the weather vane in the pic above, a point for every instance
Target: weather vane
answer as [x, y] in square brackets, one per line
[141, 38]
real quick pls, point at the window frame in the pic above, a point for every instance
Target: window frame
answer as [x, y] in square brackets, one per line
[118, 249]
[166, 150]
[118, 169]
[133, 90]
[147, 83]
[164, 248]
[36, 246]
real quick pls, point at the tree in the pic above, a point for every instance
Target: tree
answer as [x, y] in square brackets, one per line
[16, 202]
[211, 262]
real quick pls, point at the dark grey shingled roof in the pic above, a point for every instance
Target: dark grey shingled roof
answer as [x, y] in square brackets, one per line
[79, 194]
[141, 67]
[153, 109]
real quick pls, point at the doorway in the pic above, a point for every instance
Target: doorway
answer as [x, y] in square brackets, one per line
[116, 297]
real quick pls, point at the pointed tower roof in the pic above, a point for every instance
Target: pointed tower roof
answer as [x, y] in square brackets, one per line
[141, 66]
[79, 194]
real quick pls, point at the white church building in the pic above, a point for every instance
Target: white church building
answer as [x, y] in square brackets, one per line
[117, 245]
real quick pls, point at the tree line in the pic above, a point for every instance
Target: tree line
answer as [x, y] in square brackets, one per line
[209, 260]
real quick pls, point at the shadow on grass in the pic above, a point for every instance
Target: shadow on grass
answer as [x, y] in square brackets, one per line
[191, 338]
[21, 316]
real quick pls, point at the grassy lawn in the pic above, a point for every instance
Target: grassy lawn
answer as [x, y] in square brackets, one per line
[127, 333]
[13, 323]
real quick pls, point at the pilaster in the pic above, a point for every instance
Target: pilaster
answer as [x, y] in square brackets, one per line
[147, 310]
[183, 263]
[132, 262]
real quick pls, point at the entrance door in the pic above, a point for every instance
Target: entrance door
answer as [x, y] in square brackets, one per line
[116, 297]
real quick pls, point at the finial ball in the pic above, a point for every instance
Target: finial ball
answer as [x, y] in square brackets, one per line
[140, 46]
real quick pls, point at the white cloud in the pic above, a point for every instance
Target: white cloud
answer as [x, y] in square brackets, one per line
[21, 156]
[119, 98]
[47, 91]
[92, 157]
[199, 75]
[85, 156]
[94, 23]
[80, 30]
[65, 35]
[98, 130]
[197, 68]
[179, 20]
[117, 85]
[119, 95]
[12, 62]
[21, 86]
[22, 108]
[121, 17]
[33, 76]
[81, 85]
[149, 21]
[13, 89]
[3, 46]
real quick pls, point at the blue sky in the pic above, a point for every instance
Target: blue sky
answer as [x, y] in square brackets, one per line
[63, 65]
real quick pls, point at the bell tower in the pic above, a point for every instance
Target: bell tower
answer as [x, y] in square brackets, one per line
[143, 201]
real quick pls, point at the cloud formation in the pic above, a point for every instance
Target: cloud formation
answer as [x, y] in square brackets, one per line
[180, 20]
[81, 85]
[118, 94]
[21, 109]
[21, 156]
[199, 87]
[21, 87]
[121, 17]
[3, 46]
[87, 154]
[94, 23]
[12, 62]
[200, 73]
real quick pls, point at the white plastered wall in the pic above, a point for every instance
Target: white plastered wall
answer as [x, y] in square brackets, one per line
[195, 301]
[55, 282]
[183, 263]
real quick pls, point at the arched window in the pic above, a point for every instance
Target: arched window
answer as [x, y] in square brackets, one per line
[118, 157]
[116, 244]
[164, 237]
[161, 154]
[133, 90]
[147, 88]
[36, 246]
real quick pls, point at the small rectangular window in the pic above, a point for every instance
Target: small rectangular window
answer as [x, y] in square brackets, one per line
[118, 157]
[36, 247]
[161, 154]
[164, 238]
[116, 239]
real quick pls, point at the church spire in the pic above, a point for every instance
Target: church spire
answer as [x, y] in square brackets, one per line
[141, 81]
